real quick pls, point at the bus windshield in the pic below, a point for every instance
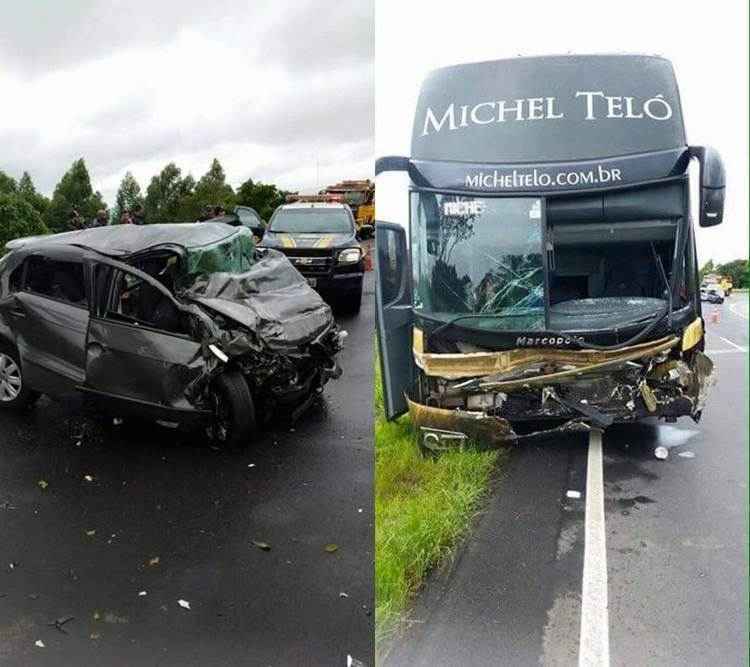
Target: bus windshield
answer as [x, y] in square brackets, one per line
[476, 256]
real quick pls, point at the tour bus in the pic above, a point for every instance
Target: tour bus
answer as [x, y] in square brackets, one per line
[547, 272]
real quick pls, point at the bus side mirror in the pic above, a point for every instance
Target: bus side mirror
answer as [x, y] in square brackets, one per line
[712, 185]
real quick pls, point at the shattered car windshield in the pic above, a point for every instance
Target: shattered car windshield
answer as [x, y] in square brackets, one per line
[311, 221]
[476, 256]
[233, 255]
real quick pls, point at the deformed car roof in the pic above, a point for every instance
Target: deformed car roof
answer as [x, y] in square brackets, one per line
[123, 240]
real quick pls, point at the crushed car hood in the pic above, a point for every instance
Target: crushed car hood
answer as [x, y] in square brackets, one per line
[272, 299]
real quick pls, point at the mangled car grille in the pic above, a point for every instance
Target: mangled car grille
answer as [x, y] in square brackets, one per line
[310, 262]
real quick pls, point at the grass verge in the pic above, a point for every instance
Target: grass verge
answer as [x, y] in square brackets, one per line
[423, 507]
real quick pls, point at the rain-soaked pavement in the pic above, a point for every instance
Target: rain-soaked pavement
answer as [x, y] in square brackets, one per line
[676, 543]
[135, 518]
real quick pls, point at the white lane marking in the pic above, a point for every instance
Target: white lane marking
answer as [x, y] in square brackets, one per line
[731, 344]
[741, 350]
[593, 647]
[732, 307]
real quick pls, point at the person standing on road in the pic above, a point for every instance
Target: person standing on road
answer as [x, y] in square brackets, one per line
[206, 214]
[75, 220]
[101, 219]
[138, 215]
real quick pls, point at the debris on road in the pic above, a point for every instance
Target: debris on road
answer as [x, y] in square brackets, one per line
[343, 595]
[13, 565]
[91, 533]
[42, 484]
[184, 604]
[39, 643]
[661, 453]
[573, 494]
[117, 421]
[153, 561]
[250, 465]
[263, 546]
[88, 478]
[687, 455]
[60, 622]
[330, 548]
[142, 594]
[114, 619]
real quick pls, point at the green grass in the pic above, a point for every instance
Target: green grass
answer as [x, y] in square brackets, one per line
[423, 506]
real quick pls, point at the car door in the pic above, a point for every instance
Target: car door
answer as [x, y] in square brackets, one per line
[140, 356]
[249, 218]
[49, 315]
[394, 316]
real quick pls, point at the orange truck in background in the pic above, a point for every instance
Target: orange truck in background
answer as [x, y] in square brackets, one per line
[359, 195]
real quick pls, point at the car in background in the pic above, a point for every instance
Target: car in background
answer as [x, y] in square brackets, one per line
[711, 295]
[185, 323]
[244, 216]
[322, 241]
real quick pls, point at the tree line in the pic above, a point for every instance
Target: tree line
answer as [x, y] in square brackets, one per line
[738, 271]
[169, 197]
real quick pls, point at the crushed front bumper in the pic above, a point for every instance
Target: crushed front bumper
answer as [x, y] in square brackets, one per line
[577, 390]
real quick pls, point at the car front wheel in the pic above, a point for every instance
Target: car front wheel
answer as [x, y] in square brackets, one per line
[234, 413]
[14, 394]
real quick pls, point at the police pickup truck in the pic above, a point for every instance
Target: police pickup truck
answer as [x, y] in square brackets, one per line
[321, 240]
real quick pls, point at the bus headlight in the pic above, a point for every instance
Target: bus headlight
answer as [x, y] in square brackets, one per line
[350, 256]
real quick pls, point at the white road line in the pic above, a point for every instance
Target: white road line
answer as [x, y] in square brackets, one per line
[734, 345]
[593, 648]
[732, 307]
[741, 350]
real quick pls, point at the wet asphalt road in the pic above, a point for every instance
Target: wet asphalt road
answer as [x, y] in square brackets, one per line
[160, 494]
[676, 534]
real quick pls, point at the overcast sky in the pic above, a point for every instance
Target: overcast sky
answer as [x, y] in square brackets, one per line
[279, 91]
[706, 42]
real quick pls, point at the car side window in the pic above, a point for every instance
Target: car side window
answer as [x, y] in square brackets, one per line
[56, 279]
[15, 281]
[136, 301]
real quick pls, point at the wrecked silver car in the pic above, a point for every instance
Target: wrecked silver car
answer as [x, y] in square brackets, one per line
[548, 269]
[185, 323]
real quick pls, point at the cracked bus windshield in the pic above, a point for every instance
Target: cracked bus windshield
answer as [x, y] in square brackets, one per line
[477, 256]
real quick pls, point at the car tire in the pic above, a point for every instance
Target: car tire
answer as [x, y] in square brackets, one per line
[236, 424]
[14, 393]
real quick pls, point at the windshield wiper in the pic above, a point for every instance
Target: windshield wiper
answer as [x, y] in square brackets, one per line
[470, 316]
[663, 275]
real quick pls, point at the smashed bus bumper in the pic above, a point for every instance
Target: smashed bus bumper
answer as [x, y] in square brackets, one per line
[479, 396]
